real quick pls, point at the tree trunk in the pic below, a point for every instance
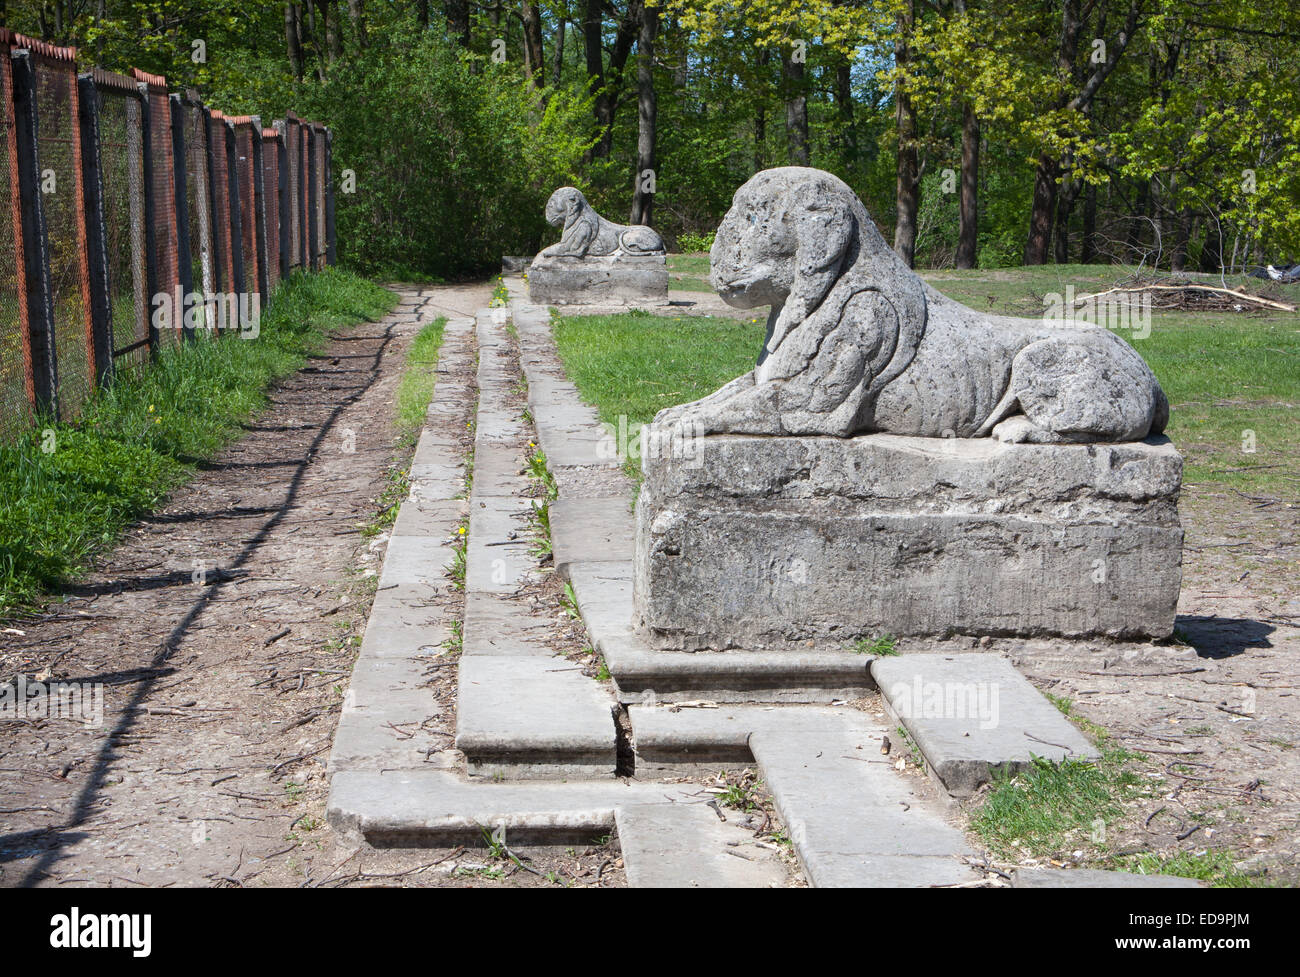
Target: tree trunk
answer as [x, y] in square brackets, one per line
[1088, 246]
[606, 98]
[907, 186]
[1137, 223]
[603, 109]
[534, 53]
[422, 14]
[558, 62]
[968, 231]
[847, 137]
[1212, 250]
[457, 14]
[333, 37]
[760, 113]
[357, 14]
[293, 38]
[1183, 233]
[1064, 207]
[796, 110]
[1040, 217]
[647, 110]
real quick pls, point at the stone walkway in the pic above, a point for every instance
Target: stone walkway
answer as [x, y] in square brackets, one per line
[549, 754]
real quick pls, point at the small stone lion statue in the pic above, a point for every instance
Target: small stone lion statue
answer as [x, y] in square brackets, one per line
[587, 234]
[857, 343]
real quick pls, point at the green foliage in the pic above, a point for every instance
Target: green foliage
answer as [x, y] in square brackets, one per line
[139, 438]
[695, 243]
[454, 158]
[882, 646]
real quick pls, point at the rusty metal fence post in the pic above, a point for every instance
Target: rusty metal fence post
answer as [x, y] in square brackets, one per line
[39, 312]
[126, 202]
[180, 203]
[331, 234]
[101, 307]
[16, 394]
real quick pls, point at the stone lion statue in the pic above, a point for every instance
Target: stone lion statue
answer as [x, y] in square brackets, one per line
[586, 233]
[857, 343]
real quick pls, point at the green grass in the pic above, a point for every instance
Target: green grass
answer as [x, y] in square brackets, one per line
[1227, 374]
[689, 272]
[882, 646]
[636, 365]
[1051, 807]
[414, 391]
[416, 387]
[140, 438]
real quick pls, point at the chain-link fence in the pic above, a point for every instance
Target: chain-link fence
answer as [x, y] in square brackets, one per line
[132, 215]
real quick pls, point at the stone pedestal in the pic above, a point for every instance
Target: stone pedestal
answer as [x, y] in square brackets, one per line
[623, 279]
[767, 542]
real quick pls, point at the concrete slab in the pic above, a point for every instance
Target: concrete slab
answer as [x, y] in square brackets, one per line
[532, 717]
[604, 592]
[854, 820]
[1084, 878]
[496, 470]
[496, 625]
[592, 531]
[415, 560]
[431, 519]
[973, 714]
[694, 734]
[498, 558]
[686, 846]
[434, 807]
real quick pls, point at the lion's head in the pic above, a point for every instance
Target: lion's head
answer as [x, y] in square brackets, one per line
[563, 203]
[791, 235]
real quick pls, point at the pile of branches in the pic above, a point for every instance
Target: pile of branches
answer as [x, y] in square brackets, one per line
[1183, 293]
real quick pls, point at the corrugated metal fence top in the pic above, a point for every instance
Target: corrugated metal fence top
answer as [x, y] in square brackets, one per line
[45, 49]
[240, 120]
[111, 79]
[153, 81]
[270, 134]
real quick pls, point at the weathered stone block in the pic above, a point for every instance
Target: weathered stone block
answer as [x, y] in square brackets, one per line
[763, 541]
[594, 280]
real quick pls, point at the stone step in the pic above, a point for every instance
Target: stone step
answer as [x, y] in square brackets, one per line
[855, 821]
[384, 720]
[688, 846]
[533, 717]
[495, 624]
[410, 808]
[498, 558]
[668, 733]
[597, 530]
[973, 714]
[604, 594]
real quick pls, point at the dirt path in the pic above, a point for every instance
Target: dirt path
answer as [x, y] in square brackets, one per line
[223, 629]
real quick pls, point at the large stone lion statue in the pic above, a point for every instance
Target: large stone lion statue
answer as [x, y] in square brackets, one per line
[586, 233]
[857, 343]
